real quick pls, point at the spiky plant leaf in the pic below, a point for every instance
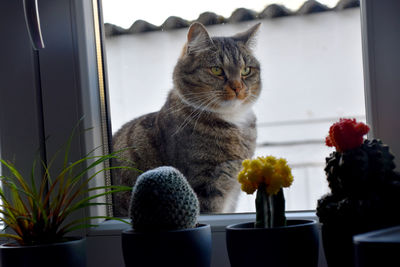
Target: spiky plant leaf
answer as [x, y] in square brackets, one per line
[38, 214]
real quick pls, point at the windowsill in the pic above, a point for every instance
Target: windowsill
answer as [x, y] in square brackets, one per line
[218, 222]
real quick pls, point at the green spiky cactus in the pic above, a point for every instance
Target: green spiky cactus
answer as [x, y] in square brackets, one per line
[162, 199]
[359, 170]
[365, 189]
[270, 209]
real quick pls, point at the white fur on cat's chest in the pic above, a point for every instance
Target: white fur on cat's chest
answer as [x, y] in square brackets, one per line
[240, 121]
[238, 114]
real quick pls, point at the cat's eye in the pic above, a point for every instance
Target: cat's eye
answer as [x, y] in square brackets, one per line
[245, 71]
[217, 71]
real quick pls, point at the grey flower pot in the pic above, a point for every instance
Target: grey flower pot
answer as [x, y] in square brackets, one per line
[338, 246]
[178, 248]
[378, 248]
[294, 245]
[65, 254]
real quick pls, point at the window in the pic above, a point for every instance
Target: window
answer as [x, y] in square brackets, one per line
[41, 100]
[308, 63]
[19, 125]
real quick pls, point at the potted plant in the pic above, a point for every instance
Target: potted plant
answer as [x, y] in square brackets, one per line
[272, 239]
[38, 216]
[365, 190]
[165, 232]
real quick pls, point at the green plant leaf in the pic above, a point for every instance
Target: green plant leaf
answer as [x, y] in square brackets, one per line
[38, 213]
[79, 224]
[15, 237]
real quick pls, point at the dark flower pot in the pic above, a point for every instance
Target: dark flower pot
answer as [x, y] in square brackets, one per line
[338, 245]
[378, 248]
[65, 254]
[294, 245]
[178, 248]
[337, 240]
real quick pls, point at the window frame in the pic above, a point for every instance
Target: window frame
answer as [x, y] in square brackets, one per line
[79, 91]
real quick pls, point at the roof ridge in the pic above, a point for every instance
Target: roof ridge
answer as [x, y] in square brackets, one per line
[238, 15]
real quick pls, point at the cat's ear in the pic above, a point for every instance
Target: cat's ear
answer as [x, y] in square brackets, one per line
[248, 37]
[198, 38]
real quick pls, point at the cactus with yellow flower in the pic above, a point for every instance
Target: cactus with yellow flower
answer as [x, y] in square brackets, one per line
[268, 175]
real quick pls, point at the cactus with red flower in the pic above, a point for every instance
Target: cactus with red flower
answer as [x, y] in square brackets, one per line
[365, 189]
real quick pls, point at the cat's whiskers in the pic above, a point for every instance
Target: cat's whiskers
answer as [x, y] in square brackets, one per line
[194, 100]
[204, 109]
[253, 98]
[202, 101]
[196, 109]
[198, 93]
[176, 108]
[182, 105]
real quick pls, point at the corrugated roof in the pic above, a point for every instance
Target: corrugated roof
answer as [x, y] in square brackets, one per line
[239, 15]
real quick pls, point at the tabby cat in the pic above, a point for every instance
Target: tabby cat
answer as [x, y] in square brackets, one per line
[206, 126]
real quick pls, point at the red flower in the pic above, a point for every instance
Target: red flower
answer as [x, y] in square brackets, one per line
[346, 134]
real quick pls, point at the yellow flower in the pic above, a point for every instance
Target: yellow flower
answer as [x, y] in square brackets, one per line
[249, 188]
[272, 172]
[246, 163]
[274, 185]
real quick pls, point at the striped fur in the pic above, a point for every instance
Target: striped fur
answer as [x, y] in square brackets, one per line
[206, 126]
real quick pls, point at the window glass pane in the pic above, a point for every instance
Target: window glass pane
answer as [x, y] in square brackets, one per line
[311, 72]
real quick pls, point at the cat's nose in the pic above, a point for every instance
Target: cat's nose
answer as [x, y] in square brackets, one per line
[236, 86]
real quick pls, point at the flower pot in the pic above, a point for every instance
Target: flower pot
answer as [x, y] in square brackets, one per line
[338, 246]
[65, 254]
[296, 244]
[378, 248]
[178, 248]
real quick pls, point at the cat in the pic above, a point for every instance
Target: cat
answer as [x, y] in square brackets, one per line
[206, 127]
